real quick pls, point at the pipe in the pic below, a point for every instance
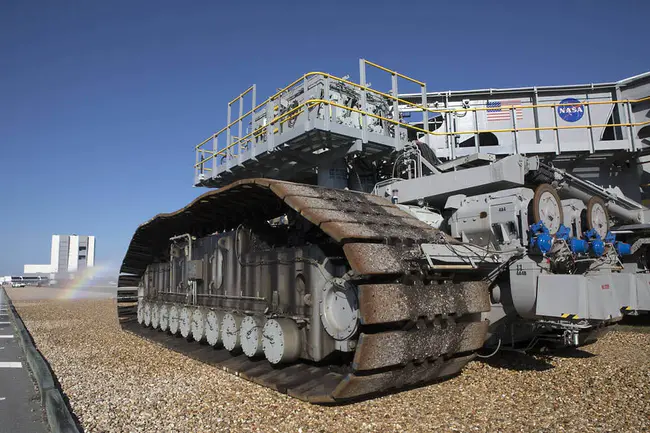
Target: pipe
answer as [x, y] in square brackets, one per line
[187, 258]
[635, 215]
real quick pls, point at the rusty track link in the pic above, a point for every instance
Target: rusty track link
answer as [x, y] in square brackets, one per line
[378, 238]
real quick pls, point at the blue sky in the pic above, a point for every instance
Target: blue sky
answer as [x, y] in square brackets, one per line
[101, 102]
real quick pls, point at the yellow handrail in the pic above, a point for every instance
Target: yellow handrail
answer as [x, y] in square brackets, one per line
[403, 101]
[241, 95]
[508, 107]
[324, 75]
[313, 102]
[368, 62]
[296, 111]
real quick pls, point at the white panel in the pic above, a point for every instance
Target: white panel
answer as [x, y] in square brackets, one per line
[37, 269]
[73, 254]
[90, 259]
[54, 257]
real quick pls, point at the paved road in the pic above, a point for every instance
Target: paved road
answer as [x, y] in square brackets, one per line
[20, 401]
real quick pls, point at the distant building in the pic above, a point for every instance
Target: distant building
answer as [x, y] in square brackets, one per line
[69, 254]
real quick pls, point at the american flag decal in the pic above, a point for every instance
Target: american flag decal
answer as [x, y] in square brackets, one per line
[496, 114]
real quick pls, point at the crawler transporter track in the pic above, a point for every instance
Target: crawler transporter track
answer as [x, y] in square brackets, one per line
[319, 293]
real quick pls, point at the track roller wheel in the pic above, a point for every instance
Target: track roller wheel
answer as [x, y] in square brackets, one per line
[547, 207]
[213, 327]
[281, 342]
[597, 216]
[155, 315]
[251, 336]
[147, 314]
[164, 317]
[185, 322]
[230, 335]
[198, 324]
[141, 312]
[173, 319]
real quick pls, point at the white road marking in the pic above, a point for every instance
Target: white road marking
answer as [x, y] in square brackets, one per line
[11, 365]
[2, 398]
[6, 336]
[5, 323]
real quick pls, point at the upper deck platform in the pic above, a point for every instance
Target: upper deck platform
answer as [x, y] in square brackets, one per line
[320, 118]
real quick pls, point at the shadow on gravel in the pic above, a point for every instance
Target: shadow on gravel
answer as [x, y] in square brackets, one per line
[518, 361]
[572, 352]
[640, 320]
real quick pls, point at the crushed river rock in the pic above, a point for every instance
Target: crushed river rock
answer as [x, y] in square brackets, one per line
[117, 382]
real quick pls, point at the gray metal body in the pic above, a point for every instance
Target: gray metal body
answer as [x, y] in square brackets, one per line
[470, 166]
[206, 272]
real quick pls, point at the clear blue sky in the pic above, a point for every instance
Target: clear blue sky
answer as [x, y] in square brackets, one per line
[101, 102]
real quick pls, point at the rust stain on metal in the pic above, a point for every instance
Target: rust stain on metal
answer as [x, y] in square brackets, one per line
[383, 303]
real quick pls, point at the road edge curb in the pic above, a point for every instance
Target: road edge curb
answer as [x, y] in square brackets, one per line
[59, 416]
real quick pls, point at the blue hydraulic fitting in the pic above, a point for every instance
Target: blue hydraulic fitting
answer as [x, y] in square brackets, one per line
[578, 246]
[592, 234]
[540, 238]
[538, 227]
[544, 242]
[596, 244]
[598, 247]
[622, 248]
[563, 232]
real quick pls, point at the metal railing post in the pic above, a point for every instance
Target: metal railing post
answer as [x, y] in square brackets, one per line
[253, 128]
[196, 164]
[228, 137]
[240, 125]
[396, 110]
[328, 108]
[451, 139]
[269, 128]
[629, 121]
[513, 117]
[215, 149]
[305, 98]
[362, 81]
[425, 114]
[477, 138]
[538, 136]
[592, 145]
[557, 131]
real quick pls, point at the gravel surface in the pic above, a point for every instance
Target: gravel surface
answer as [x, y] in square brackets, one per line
[120, 383]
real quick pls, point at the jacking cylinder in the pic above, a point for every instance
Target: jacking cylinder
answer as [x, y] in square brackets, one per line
[622, 248]
[578, 246]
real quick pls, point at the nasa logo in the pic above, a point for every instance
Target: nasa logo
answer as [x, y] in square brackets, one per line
[571, 113]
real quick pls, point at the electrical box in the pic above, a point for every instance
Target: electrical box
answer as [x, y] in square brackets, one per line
[195, 270]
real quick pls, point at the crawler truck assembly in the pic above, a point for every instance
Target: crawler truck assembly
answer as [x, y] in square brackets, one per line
[346, 250]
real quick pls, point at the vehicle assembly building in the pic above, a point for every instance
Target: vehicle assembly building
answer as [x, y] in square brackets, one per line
[69, 254]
